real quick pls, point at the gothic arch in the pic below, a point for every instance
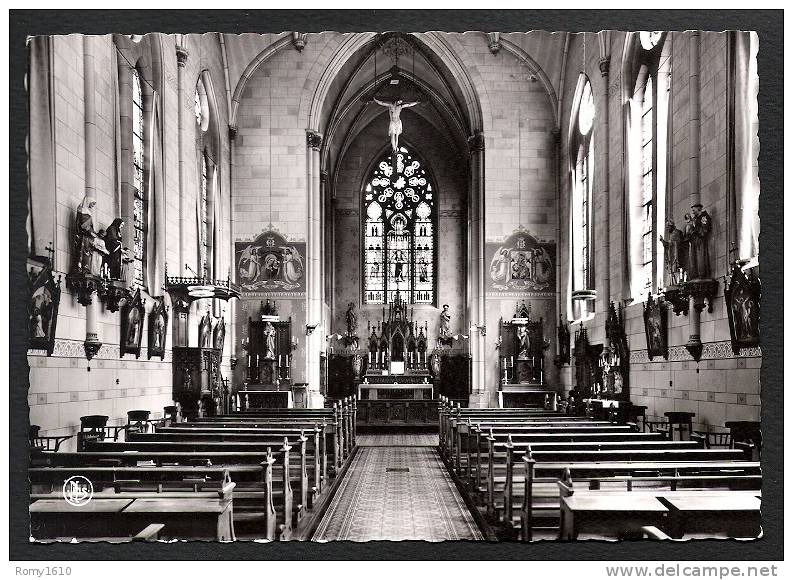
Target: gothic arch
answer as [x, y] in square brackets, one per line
[249, 71]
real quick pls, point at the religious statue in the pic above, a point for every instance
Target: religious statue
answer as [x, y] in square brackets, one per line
[205, 331]
[675, 252]
[395, 124]
[698, 237]
[157, 335]
[523, 341]
[133, 325]
[445, 328]
[219, 334]
[269, 340]
[352, 320]
[88, 244]
[114, 260]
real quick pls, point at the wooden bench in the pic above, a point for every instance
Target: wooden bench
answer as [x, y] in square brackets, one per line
[540, 481]
[210, 519]
[336, 443]
[690, 512]
[263, 498]
[230, 440]
[229, 453]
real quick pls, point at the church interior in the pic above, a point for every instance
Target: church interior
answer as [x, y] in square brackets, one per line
[360, 286]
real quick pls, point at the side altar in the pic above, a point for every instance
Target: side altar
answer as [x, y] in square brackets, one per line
[268, 381]
[522, 378]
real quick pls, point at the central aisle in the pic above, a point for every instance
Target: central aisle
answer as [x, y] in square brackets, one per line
[397, 488]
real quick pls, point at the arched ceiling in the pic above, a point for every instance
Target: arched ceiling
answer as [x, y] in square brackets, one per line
[348, 109]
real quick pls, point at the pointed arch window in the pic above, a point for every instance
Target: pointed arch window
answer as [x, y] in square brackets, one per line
[399, 230]
[648, 163]
[204, 249]
[581, 274]
[206, 178]
[139, 208]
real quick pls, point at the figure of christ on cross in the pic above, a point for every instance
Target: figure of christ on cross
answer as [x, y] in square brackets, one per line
[395, 124]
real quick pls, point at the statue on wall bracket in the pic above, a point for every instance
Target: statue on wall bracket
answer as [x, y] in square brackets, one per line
[655, 327]
[742, 296]
[350, 338]
[205, 331]
[563, 338]
[132, 315]
[219, 334]
[158, 328]
[44, 297]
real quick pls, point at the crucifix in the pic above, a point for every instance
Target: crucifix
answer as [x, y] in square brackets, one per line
[395, 124]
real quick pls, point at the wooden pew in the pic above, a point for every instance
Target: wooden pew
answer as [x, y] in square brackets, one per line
[120, 511]
[512, 464]
[194, 518]
[674, 473]
[475, 463]
[331, 429]
[688, 512]
[316, 458]
[191, 451]
[329, 442]
[264, 496]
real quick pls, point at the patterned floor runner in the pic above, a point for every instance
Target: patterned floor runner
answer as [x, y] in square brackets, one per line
[397, 440]
[397, 493]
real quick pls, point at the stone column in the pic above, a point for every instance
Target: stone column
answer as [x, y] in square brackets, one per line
[314, 330]
[92, 342]
[480, 397]
[694, 345]
[182, 95]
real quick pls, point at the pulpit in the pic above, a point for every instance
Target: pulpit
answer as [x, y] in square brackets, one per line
[196, 380]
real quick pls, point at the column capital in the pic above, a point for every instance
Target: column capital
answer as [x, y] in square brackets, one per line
[233, 132]
[299, 40]
[313, 139]
[494, 42]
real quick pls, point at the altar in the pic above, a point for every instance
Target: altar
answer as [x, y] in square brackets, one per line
[417, 392]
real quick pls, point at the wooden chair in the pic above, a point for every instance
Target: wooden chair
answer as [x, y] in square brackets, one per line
[680, 421]
[40, 443]
[92, 428]
[137, 422]
[713, 439]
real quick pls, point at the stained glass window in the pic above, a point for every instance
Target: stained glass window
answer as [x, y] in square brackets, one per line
[204, 249]
[139, 210]
[399, 231]
[582, 190]
[647, 228]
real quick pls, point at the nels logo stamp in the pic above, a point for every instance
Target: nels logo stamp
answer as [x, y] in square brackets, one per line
[78, 490]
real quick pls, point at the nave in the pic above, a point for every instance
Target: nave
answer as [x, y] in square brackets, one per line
[306, 474]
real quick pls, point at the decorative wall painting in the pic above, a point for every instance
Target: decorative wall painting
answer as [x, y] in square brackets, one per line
[271, 264]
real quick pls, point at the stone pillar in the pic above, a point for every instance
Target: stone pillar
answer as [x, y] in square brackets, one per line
[480, 396]
[314, 330]
[182, 95]
[694, 345]
[92, 342]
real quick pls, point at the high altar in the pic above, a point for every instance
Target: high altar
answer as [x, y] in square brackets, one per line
[397, 366]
